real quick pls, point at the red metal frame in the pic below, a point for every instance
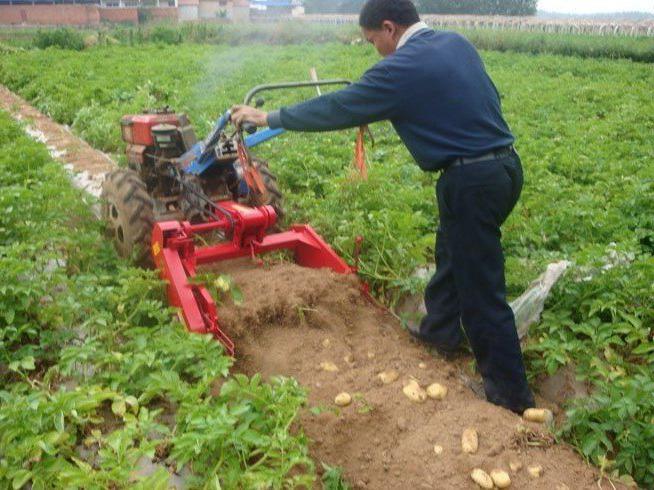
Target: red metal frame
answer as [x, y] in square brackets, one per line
[176, 255]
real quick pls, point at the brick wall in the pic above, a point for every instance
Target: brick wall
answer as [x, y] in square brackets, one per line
[78, 15]
[162, 13]
[122, 15]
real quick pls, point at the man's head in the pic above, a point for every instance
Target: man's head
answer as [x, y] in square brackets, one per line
[384, 21]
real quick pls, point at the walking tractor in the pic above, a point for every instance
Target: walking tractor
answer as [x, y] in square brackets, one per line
[179, 194]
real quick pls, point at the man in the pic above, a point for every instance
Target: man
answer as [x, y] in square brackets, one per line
[434, 89]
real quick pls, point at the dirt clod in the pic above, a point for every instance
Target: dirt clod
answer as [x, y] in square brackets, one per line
[330, 367]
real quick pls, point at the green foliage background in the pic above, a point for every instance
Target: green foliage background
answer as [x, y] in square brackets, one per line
[584, 131]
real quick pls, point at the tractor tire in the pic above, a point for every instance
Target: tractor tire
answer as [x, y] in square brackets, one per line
[128, 211]
[273, 195]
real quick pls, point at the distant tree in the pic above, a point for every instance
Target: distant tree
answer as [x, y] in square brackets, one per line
[333, 6]
[478, 7]
[473, 7]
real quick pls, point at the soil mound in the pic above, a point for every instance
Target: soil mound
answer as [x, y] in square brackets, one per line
[315, 325]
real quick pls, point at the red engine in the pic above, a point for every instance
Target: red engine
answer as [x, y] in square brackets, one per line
[153, 139]
[137, 130]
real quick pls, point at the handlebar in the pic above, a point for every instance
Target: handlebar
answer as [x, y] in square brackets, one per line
[283, 85]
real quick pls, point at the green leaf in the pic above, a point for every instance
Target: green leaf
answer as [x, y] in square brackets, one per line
[644, 349]
[21, 477]
[237, 295]
[27, 363]
[59, 422]
[118, 407]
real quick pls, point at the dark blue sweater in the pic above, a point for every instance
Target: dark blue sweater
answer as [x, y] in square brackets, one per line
[435, 91]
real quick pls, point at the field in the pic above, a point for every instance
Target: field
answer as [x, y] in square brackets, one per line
[584, 130]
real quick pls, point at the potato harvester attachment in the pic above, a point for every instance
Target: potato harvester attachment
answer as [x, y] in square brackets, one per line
[176, 255]
[180, 194]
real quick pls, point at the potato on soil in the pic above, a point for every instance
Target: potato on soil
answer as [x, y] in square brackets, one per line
[501, 478]
[470, 441]
[438, 450]
[535, 470]
[414, 392]
[515, 466]
[388, 377]
[330, 367]
[481, 478]
[436, 391]
[343, 399]
[540, 415]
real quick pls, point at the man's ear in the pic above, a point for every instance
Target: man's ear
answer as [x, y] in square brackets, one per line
[389, 27]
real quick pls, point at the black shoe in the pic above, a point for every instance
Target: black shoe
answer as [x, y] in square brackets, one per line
[517, 404]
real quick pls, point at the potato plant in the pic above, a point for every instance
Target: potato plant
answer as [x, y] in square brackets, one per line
[98, 379]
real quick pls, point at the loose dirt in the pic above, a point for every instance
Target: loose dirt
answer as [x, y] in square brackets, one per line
[87, 164]
[293, 319]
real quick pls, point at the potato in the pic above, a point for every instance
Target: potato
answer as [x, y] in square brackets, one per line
[540, 415]
[501, 478]
[436, 391]
[515, 466]
[414, 392]
[388, 377]
[330, 367]
[343, 399]
[481, 478]
[470, 441]
[422, 365]
[535, 470]
[438, 450]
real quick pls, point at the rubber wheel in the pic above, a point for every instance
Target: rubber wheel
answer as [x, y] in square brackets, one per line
[273, 195]
[128, 211]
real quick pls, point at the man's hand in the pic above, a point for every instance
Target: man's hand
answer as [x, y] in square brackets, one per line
[244, 113]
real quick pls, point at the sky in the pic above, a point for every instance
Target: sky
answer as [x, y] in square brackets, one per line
[595, 6]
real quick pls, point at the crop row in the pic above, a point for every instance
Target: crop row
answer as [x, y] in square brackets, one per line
[99, 387]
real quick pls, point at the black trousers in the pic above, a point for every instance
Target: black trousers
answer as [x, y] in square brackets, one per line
[468, 291]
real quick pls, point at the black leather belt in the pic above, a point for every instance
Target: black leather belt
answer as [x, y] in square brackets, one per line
[491, 155]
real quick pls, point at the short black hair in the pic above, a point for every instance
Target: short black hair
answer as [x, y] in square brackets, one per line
[375, 12]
